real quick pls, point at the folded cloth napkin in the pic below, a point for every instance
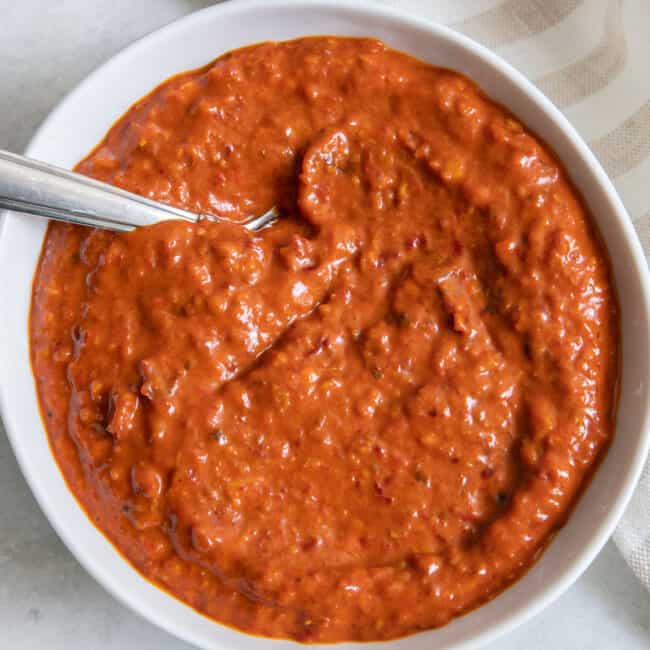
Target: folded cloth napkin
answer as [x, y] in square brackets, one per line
[590, 57]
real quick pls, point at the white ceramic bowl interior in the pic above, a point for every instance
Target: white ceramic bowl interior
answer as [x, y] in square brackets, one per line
[82, 119]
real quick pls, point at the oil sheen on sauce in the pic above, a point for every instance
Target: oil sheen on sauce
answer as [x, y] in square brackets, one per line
[371, 416]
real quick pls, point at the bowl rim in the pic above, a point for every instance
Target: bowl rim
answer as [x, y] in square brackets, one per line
[600, 536]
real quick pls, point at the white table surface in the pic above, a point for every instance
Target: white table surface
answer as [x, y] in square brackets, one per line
[46, 598]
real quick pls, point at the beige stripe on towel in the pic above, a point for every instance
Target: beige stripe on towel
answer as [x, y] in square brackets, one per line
[583, 78]
[627, 145]
[515, 19]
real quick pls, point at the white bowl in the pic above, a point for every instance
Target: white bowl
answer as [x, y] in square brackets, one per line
[79, 123]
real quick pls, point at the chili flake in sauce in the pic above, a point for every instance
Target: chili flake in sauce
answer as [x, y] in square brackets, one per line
[366, 419]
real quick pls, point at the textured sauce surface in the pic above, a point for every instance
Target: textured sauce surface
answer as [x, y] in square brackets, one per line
[367, 418]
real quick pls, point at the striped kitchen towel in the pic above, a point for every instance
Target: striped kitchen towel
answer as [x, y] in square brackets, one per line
[590, 57]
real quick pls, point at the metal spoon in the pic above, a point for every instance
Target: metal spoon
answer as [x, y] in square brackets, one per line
[37, 188]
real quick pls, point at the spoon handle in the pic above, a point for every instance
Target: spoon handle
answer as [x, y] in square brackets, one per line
[41, 189]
